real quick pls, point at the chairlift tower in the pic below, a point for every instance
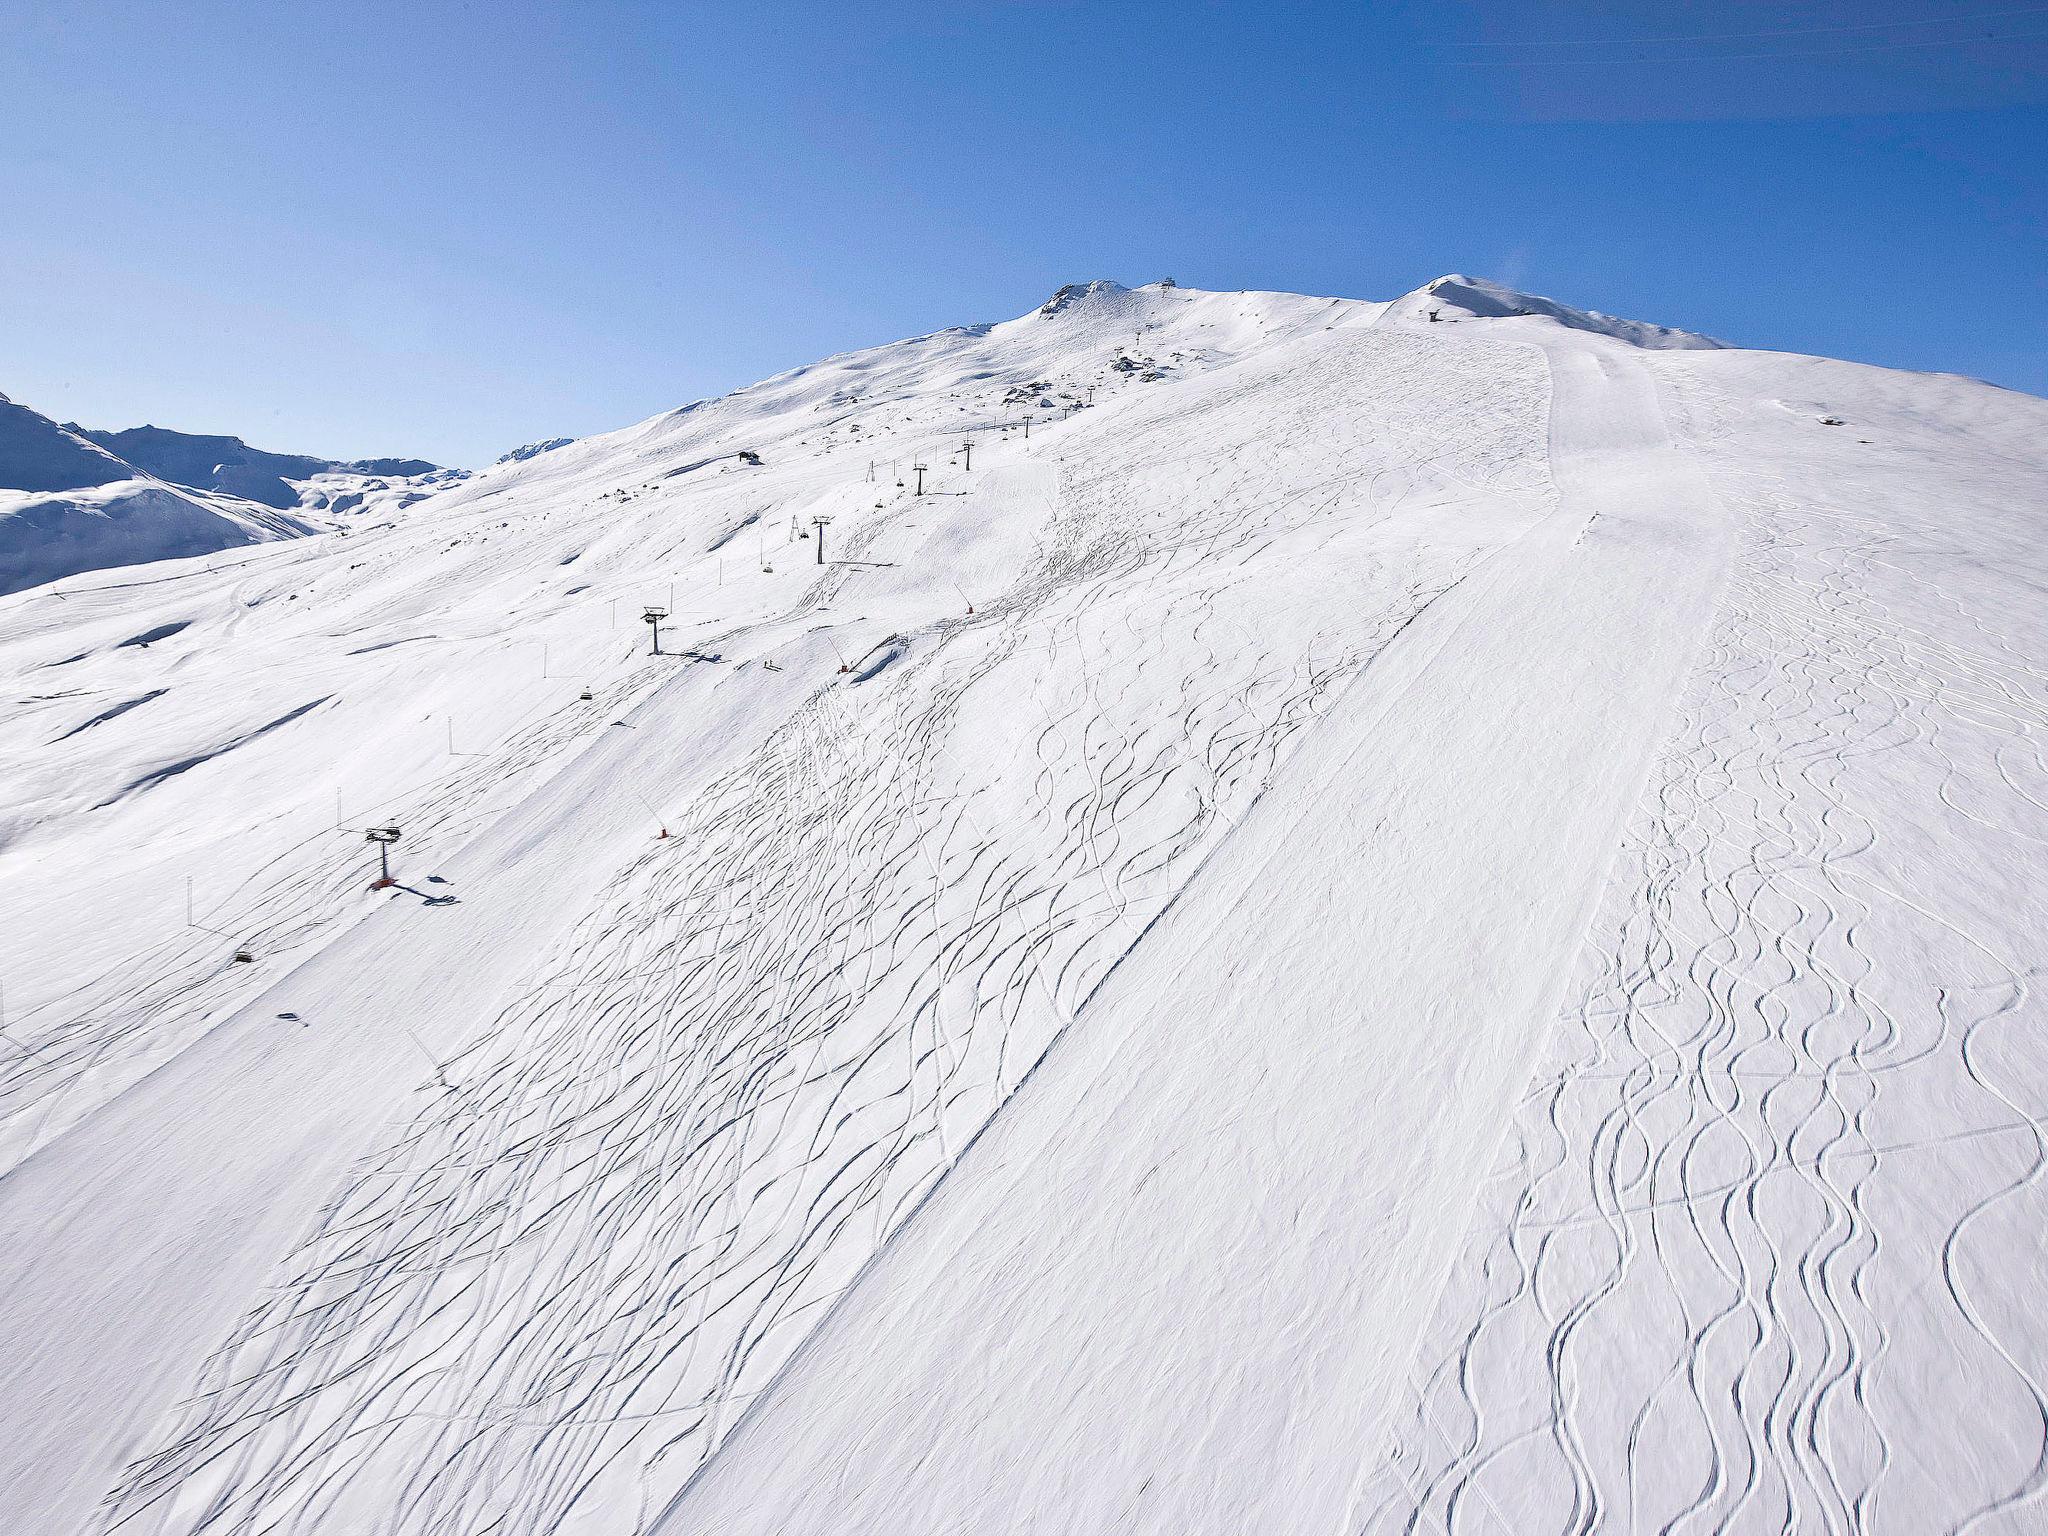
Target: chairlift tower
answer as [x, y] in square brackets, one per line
[653, 618]
[919, 469]
[383, 837]
[819, 523]
[967, 450]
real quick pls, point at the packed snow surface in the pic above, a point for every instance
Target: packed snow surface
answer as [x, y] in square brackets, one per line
[1349, 922]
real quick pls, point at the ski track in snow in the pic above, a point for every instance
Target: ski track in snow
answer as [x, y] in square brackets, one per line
[540, 1302]
[1763, 1251]
[1760, 1250]
[79, 1048]
[1174, 1284]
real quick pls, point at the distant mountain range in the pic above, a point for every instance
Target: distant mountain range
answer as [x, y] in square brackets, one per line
[77, 499]
[230, 465]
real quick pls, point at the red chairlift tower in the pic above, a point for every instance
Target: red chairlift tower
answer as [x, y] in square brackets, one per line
[383, 837]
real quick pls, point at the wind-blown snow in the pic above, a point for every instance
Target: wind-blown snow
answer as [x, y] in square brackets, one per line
[1395, 925]
[1457, 298]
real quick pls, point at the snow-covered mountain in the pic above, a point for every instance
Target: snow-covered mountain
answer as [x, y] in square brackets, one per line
[73, 499]
[69, 505]
[1221, 912]
[229, 465]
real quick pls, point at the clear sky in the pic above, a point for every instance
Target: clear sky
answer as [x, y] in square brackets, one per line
[445, 229]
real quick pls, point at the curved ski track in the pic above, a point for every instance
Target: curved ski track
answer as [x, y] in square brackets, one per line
[542, 1300]
[1763, 1252]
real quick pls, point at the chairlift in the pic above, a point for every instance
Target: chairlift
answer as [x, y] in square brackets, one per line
[383, 838]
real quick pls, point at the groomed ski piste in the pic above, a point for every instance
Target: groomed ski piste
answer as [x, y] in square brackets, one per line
[1377, 924]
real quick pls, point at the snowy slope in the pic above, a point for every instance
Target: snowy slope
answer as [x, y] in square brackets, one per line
[1769, 1212]
[46, 536]
[37, 455]
[370, 494]
[1382, 924]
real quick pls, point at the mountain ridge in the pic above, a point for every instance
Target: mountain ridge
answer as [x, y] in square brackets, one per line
[75, 499]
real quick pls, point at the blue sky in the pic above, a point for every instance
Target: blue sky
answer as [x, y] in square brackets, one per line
[444, 229]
